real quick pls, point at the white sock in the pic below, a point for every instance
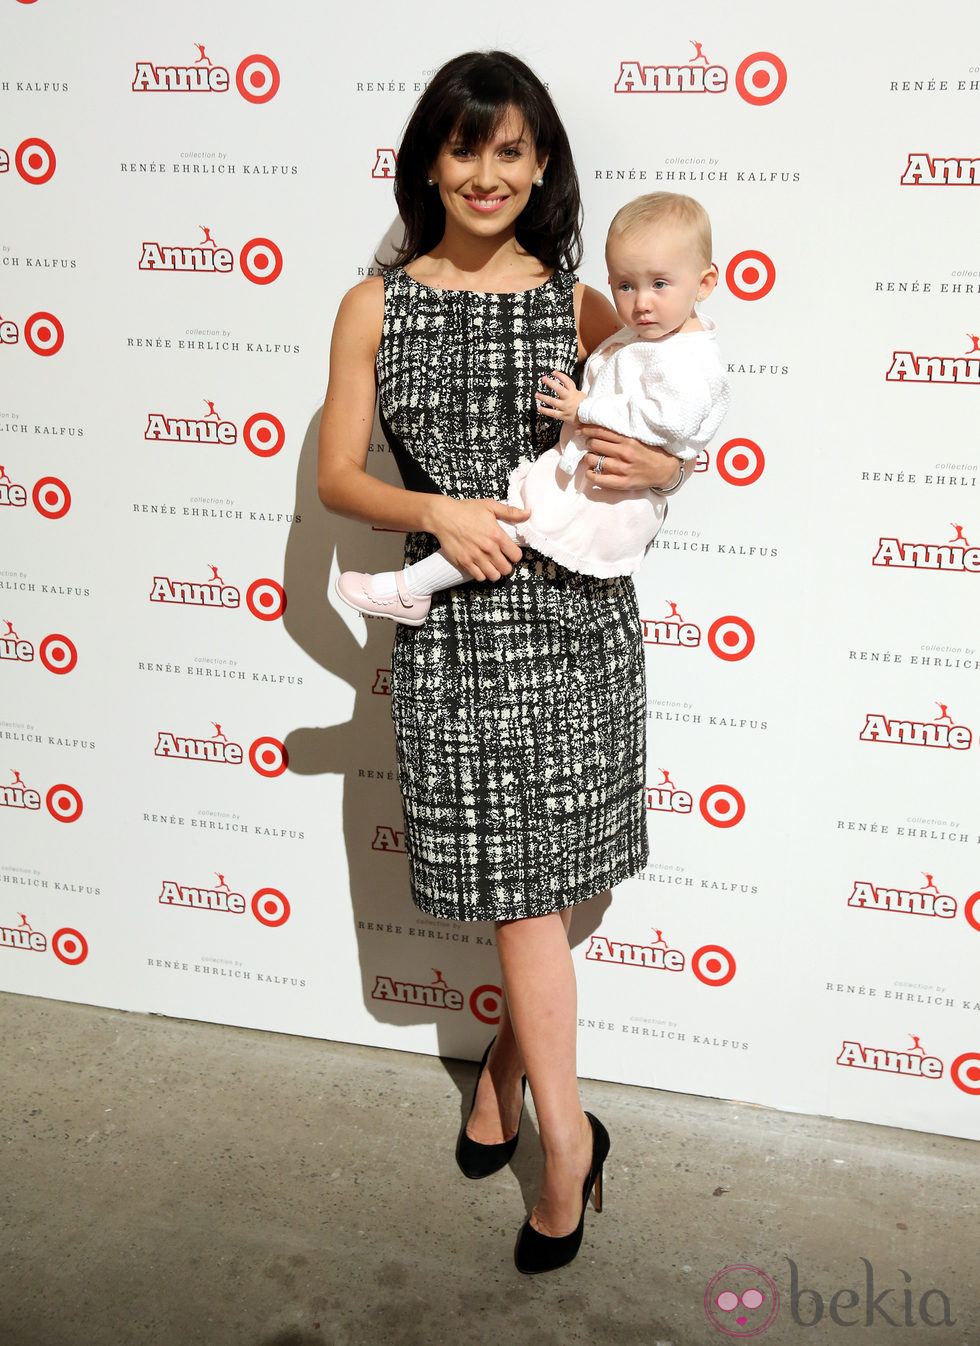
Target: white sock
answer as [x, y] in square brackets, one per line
[429, 575]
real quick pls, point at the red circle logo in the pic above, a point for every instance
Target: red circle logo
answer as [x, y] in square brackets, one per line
[750, 274]
[970, 910]
[264, 434]
[64, 803]
[271, 907]
[261, 261]
[51, 497]
[35, 160]
[731, 638]
[266, 600]
[761, 78]
[257, 78]
[44, 334]
[741, 1301]
[58, 654]
[965, 1073]
[268, 757]
[722, 806]
[741, 462]
[70, 946]
[486, 1003]
[713, 964]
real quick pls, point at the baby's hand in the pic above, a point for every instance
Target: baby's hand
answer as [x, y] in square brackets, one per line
[563, 402]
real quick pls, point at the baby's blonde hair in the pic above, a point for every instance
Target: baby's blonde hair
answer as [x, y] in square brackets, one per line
[665, 208]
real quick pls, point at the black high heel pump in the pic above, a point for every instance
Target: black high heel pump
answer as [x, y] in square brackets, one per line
[537, 1252]
[479, 1161]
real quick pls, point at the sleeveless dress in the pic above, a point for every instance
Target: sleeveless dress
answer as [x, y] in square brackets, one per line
[519, 706]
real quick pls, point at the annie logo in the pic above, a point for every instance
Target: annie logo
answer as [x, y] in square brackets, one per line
[269, 906]
[382, 682]
[263, 433]
[56, 652]
[49, 496]
[256, 78]
[711, 964]
[912, 1061]
[907, 367]
[730, 638]
[941, 732]
[924, 171]
[34, 160]
[759, 79]
[388, 839]
[267, 756]
[260, 259]
[925, 901]
[955, 554]
[438, 994]
[719, 805]
[63, 802]
[43, 333]
[264, 598]
[385, 162]
[67, 945]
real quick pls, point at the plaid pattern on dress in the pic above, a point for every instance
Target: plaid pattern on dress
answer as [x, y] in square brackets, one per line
[519, 706]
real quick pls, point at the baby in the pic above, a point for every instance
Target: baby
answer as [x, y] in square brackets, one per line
[659, 380]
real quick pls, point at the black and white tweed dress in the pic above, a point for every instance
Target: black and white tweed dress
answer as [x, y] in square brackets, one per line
[519, 706]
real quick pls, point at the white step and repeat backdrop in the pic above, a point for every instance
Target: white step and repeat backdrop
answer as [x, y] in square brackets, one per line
[200, 816]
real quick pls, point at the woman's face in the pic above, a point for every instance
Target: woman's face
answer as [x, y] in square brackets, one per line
[485, 187]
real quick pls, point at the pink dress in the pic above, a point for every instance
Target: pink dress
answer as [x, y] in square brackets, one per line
[672, 394]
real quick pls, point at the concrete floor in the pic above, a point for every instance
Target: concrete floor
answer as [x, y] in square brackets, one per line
[168, 1183]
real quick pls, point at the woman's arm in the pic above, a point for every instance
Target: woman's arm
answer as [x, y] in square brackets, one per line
[467, 529]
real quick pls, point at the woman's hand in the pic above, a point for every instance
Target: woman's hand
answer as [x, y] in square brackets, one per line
[629, 464]
[472, 539]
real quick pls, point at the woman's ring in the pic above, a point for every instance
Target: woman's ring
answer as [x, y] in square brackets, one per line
[598, 466]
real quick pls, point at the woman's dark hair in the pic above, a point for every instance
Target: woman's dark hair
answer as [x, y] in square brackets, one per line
[469, 98]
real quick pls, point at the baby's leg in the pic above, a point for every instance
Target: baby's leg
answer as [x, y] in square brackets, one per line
[403, 595]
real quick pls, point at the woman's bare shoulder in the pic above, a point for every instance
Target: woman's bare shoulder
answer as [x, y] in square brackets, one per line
[595, 318]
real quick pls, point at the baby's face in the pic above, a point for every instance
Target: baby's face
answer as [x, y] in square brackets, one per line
[656, 276]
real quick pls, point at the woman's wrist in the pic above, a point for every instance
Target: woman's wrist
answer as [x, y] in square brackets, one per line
[673, 486]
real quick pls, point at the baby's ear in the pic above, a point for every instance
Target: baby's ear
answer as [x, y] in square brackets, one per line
[709, 279]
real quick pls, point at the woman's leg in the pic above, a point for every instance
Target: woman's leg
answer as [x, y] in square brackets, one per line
[539, 983]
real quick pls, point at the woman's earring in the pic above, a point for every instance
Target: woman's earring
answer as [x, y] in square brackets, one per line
[430, 182]
[539, 182]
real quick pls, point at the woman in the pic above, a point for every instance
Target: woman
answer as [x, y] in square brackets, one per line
[519, 705]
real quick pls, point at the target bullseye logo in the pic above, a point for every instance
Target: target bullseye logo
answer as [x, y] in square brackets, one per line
[486, 1003]
[266, 600]
[971, 910]
[51, 497]
[731, 638]
[713, 964]
[44, 334]
[64, 803]
[761, 78]
[257, 78]
[58, 654]
[965, 1073]
[261, 261]
[264, 434]
[740, 462]
[35, 160]
[722, 806]
[268, 757]
[750, 274]
[271, 907]
[70, 946]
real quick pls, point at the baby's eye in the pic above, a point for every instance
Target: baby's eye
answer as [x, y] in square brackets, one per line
[660, 285]
[624, 285]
